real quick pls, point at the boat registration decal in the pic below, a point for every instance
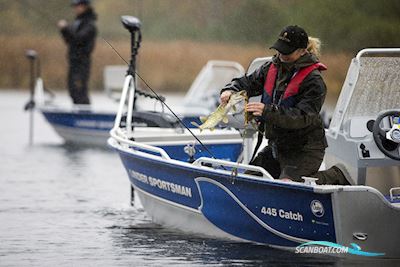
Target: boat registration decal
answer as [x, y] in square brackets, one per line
[161, 184]
[287, 215]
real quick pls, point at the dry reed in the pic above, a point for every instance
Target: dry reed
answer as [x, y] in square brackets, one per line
[166, 66]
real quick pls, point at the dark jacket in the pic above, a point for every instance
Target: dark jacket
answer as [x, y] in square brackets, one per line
[295, 127]
[80, 36]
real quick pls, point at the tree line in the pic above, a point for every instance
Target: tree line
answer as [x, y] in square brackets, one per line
[348, 25]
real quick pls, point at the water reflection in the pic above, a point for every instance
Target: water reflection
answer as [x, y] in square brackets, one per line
[158, 246]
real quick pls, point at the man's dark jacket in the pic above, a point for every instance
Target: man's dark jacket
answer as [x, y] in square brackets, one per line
[300, 126]
[80, 36]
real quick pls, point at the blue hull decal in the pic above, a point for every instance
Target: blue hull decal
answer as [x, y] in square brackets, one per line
[84, 120]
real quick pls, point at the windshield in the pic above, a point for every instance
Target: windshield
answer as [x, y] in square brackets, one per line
[377, 87]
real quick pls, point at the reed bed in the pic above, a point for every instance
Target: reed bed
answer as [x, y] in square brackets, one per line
[165, 65]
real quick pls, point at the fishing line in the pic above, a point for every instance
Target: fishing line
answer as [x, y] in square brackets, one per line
[160, 98]
[115, 50]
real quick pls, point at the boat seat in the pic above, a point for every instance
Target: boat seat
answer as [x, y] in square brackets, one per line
[205, 89]
[113, 79]
[256, 63]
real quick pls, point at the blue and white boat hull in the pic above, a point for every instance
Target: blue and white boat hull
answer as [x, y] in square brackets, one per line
[242, 207]
[87, 127]
[80, 126]
[214, 202]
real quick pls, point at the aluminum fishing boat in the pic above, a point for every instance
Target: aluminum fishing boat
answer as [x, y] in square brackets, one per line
[215, 197]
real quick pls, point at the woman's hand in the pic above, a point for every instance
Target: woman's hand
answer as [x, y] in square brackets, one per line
[256, 108]
[224, 97]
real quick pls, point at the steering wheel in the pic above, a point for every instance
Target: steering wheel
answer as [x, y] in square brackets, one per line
[388, 140]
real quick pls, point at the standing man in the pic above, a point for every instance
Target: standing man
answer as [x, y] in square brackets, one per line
[80, 38]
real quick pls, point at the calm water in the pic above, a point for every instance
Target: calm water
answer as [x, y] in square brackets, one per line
[69, 206]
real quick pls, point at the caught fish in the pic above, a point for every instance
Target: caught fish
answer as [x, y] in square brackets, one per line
[220, 114]
[247, 115]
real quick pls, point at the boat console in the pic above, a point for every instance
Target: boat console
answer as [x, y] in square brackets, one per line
[364, 135]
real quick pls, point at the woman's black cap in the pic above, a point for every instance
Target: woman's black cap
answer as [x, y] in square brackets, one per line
[290, 39]
[80, 2]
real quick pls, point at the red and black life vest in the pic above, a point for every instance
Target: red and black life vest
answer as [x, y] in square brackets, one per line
[292, 88]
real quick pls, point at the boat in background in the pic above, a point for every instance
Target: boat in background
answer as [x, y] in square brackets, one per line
[88, 125]
[219, 198]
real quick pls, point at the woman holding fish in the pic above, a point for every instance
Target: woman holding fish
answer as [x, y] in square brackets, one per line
[293, 92]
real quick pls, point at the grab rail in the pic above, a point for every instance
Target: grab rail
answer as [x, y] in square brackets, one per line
[125, 89]
[224, 163]
[133, 144]
[114, 132]
[376, 51]
[131, 100]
